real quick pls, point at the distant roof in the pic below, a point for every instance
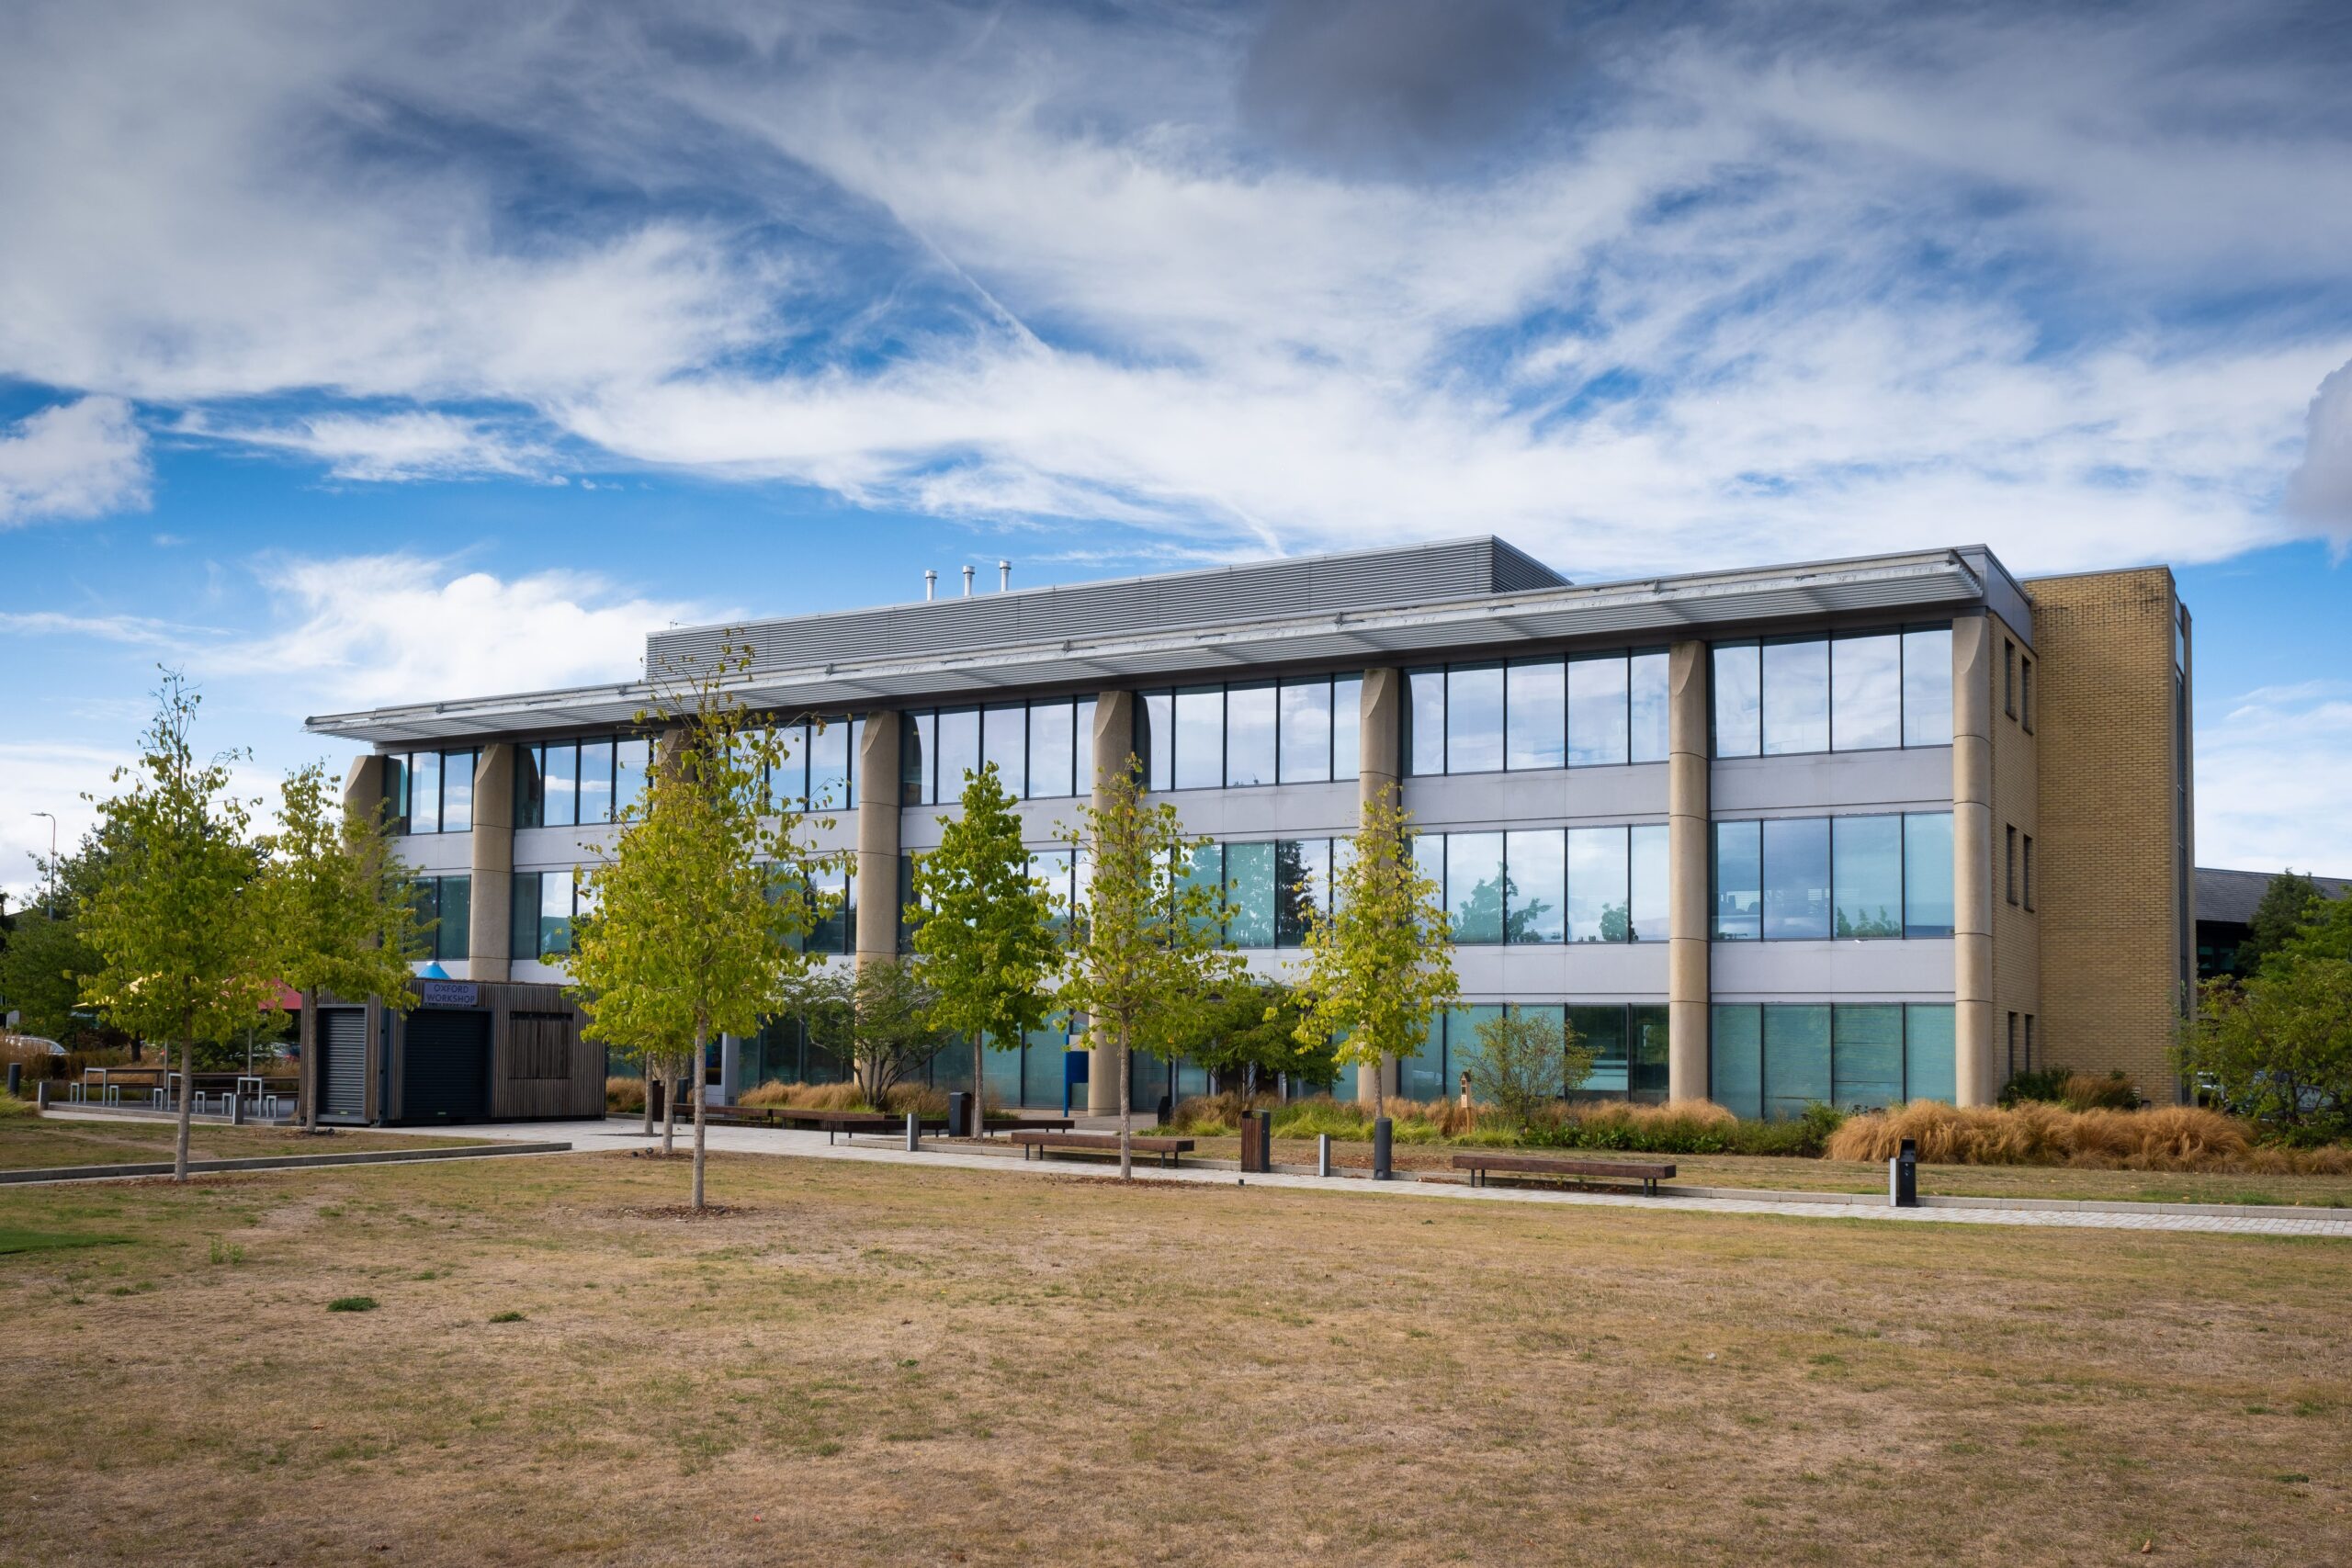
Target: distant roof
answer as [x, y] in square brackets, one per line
[2230, 898]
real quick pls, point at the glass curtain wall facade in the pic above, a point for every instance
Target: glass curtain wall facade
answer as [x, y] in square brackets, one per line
[1043, 750]
[1590, 711]
[430, 792]
[1772, 1060]
[1834, 878]
[1863, 692]
[569, 783]
[1298, 730]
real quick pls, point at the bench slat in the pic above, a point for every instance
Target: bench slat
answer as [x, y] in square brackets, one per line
[1652, 1172]
[1101, 1141]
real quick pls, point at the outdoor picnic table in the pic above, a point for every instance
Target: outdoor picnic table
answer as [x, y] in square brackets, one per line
[108, 1081]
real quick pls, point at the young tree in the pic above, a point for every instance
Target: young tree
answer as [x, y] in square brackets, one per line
[1249, 1029]
[986, 937]
[1525, 1061]
[2288, 903]
[691, 934]
[880, 1018]
[176, 922]
[2277, 1044]
[340, 910]
[1146, 948]
[1380, 962]
[41, 973]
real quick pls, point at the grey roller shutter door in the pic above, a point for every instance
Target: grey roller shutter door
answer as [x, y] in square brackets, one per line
[343, 1062]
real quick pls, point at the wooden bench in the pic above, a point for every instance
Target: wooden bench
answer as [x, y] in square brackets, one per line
[1027, 1123]
[1649, 1175]
[1042, 1143]
[835, 1123]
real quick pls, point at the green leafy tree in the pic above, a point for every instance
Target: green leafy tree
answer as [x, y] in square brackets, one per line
[2289, 902]
[2277, 1045]
[1379, 962]
[986, 939]
[879, 1018]
[41, 973]
[183, 943]
[340, 907]
[689, 933]
[1147, 953]
[1249, 1032]
[1525, 1061]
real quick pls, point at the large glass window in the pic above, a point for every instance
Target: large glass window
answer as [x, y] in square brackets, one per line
[530, 798]
[1736, 1060]
[1249, 871]
[425, 793]
[396, 791]
[595, 781]
[1538, 865]
[1796, 879]
[1927, 686]
[1422, 1075]
[1306, 732]
[632, 759]
[830, 764]
[1302, 886]
[1646, 702]
[1796, 1059]
[560, 785]
[1156, 716]
[1646, 1026]
[1004, 745]
[834, 893]
[1866, 692]
[1199, 738]
[1651, 884]
[917, 739]
[1053, 749]
[1249, 743]
[1425, 721]
[1927, 874]
[1602, 1029]
[1867, 854]
[958, 743]
[1474, 719]
[1597, 711]
[1347, 727]
[555, 913]
[1535, 700]
[1796, 697]
[1867, 1068]
[445, 907]
[457, 792]
[1740, 881]
[1739, 699]
[1927, 1054]
[1474, 890]
[1598, 909]
[1205, 869]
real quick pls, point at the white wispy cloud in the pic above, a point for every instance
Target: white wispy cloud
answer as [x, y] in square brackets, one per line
[83, 458]
[413, 443]
[2270, 780]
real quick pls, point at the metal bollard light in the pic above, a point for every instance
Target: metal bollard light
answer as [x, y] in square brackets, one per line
[1323, 1153]
[236, 1110]
[1903, 1176]
[1382, 1132]
[914, 1132]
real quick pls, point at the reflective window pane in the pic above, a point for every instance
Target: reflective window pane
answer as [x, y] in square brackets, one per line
[1796, 1060]
[1927, 686]
[555, 913]
[1796, 879]
[1598, 878]
[1602, 1032]
[1474, 719]
[630, 760]
[1053, 750]
[1740, 882]
[1597, 711]
[1650, 882]
[1473, 886]
[1250, 889]
[1866, 1064]
[1082, 747]
[829, 765]
[958, 742]
[1796, 697]
[560, 784]
[1156, 722]
[595, 781]
[1425, 721]
[457, 792]
[836, 913]
[425, 793]
[1536, 715]
[1205, 868]
[523, 916]
[530, 800]
[1647, 1023]
[1250, 735]
[1736, 1060]
[1347, 727]
[1306, 732]
[453, 939]
[396, 780]
[1536, 861]
[1865, 693]
[1927, 1052]
[1927, 875]
[1645, 699]
[1004, 745]
[1867, 852]
[1199, 738]
[1422, 1075]
[1302, 886]
[1738, 692]
[915, 742]
[1429, 859]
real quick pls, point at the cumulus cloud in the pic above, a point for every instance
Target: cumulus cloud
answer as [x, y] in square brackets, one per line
[84, 458]
[2320, 489]
[2269, 780]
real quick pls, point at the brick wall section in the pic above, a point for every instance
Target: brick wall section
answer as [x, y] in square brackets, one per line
[2109, 866]
[2016, 932]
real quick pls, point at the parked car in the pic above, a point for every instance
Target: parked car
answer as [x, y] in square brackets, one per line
[32, 1044]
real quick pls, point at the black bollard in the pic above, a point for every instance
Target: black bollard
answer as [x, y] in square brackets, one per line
[16, 1079]
[1380, 1132]
[1903, 1176]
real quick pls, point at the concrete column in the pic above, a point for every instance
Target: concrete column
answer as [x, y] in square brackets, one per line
[1689, 856]
[363, 787]
[1975, 1059]
[1380, 767]
[489, 956]
[1114, 742]
[878, 840]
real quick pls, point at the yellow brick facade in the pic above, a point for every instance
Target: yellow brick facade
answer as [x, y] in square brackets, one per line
[2017, 927]
[2114, 851]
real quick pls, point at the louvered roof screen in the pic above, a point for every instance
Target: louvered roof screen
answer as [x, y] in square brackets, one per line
[1363, 579]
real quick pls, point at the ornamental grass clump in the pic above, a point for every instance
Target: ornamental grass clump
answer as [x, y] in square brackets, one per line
[2169, 1138]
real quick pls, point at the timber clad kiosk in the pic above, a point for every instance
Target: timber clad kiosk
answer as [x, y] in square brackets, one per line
[467, 1050]
[1854, 832]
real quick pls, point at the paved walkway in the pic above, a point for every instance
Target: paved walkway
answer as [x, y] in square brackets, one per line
[618, 1134]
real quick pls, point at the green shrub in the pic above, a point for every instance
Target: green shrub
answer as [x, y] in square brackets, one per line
[506, 1317]
[352, 1303]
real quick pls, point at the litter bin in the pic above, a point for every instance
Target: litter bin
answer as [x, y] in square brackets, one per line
[960, 1115]
[1903, 1176]
[1257, 1143]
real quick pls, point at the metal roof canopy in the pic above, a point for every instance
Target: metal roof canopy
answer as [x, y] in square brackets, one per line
[1435, 625]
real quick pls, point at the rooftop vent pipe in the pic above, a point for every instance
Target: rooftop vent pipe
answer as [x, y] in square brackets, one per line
[1004, 577]
[930, 585]
[968, 582]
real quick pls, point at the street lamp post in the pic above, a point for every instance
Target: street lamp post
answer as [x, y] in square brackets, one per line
[48, 906]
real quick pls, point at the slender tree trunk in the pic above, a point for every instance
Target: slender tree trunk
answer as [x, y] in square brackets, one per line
[645, 1125]
[980, 1076]
[309, 1088]
[1126, 1116]
[188, 1089]
[700, 1035]
[668, 1109]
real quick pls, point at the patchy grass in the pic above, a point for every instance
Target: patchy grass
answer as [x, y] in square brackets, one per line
[885, 1364]
[29, 1143]
[13, 1240]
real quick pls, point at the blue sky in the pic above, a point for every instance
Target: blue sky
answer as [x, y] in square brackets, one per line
[436, 350]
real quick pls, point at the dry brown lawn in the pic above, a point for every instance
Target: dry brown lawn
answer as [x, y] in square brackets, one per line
[26, 1142]
[876, 1363]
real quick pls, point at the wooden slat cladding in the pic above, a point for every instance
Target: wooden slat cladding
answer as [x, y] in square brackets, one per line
[538, 1046]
